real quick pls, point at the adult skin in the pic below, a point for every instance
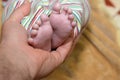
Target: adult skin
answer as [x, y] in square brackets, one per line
[20, 61]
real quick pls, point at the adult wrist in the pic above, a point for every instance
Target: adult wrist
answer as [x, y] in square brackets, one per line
[10, 69]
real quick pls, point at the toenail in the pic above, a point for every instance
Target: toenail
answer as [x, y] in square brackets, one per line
[38, 22]
[70, 11]
[71, 16]
[30, 40]
[35, 26]
[34, 32]
[65, 8]
[74, 24]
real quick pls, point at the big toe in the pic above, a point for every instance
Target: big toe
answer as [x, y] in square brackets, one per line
[57, 8]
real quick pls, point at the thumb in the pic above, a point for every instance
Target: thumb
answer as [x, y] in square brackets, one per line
[12, 29]
[63, 51]
[20, 12]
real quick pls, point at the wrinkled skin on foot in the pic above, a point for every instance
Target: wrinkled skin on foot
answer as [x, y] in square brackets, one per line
[62, 24]
[41, 34]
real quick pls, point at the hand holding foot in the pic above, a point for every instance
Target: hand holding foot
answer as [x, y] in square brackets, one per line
[24, 61]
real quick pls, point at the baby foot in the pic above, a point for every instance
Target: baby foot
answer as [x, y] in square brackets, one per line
[41, 34]
[62, 23]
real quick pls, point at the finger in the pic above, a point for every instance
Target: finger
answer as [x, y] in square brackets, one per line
[63, 51]
[11, 28]
[53, 59]
[21, 12]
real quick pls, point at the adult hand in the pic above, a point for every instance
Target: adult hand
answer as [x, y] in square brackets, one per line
[20, 61]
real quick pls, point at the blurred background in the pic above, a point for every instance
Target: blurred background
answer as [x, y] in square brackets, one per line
[96, 55]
